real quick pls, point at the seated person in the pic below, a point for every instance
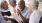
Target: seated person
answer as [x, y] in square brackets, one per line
[36, 14]
[4, 9]
[24, 12]
[1, 18]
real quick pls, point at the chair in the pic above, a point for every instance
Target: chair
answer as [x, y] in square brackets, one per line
[40, 20]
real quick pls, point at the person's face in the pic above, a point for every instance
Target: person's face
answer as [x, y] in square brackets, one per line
[22, 6]
[12, 4]
[31, 6]
[5, 6]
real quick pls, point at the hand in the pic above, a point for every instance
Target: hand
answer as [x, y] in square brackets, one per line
[19, 12]
[5, 17]
[20, 21]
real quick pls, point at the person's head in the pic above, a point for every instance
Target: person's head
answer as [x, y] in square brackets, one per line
[12, 3]
[4, 5]
[21, 0]
[22, 5]
[33, 5]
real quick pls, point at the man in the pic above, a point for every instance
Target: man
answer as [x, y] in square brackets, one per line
[36, 14]
[24, 12]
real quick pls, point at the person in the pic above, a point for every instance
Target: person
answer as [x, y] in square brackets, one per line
[36, 14]
[24, 11]
[12, 7]
[4, 9]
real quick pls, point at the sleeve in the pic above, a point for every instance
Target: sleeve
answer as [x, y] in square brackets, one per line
[34, 18]
[1, 18]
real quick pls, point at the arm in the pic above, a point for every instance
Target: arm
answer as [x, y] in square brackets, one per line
[23, 18]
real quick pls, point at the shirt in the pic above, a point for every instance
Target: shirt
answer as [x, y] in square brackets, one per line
[35, 16]
[1, 19]
[6, 12]
[26, 12]
[2, 10]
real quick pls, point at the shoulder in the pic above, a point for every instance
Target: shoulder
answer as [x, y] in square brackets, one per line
[36, 13]
[0, 9]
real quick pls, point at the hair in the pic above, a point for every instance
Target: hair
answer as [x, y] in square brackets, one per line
[35, 4]
[3, 4]
[14, 1]
[23, 4]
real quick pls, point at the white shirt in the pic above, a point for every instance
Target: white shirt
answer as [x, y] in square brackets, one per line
[26, 12]
[35, 16]
[1, 19]
[2, 10]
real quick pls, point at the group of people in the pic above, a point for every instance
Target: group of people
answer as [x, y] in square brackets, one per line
[29, 14]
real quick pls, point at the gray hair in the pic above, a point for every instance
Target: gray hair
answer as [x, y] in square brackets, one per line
[35, 4]
[14, 1]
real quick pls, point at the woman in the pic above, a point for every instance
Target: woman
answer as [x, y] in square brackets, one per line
[5, 10]
[12, 7]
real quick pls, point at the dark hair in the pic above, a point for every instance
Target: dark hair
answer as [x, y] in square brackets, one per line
[14, 1]
[23, 4]
[37, 4]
